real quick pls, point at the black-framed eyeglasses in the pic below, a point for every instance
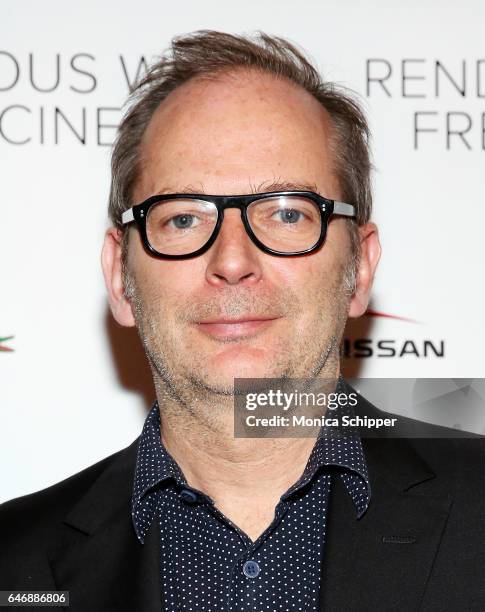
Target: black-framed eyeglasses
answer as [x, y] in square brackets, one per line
[283, 223]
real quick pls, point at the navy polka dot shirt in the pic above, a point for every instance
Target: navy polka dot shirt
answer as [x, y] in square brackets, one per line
[208, 564]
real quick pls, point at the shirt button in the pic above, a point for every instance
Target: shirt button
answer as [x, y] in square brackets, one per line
[189, 496]
[251, 569]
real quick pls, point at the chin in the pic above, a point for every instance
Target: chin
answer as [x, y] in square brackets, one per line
[241, 362]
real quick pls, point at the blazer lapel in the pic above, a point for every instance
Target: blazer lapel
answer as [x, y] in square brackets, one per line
[383, 560]
[97, 556]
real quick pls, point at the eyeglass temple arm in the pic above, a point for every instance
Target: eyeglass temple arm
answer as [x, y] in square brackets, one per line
[127, 216]
[341, 208]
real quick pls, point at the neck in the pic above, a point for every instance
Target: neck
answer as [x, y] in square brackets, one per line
[235, 472]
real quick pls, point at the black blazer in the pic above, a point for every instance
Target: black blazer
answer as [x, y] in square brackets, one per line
[419, 546]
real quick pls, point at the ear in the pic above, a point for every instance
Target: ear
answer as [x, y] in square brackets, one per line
[111, 264]
[370, 249]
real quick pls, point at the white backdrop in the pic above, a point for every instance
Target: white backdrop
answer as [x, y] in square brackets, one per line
[65, 401]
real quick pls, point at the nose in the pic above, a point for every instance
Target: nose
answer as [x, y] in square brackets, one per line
[233, 258]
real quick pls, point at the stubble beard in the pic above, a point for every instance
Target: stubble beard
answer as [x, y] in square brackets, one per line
[188, 383]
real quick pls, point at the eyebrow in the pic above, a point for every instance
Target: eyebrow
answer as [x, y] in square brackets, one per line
[286, 186]
[265, 186]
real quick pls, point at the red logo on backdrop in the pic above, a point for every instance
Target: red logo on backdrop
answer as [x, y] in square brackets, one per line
[386, 315]
[3, 347]
[361, 348]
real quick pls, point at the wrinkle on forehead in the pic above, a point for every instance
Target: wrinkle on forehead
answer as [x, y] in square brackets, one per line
[263, 187]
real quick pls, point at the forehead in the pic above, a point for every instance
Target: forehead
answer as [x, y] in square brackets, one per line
[229, 133]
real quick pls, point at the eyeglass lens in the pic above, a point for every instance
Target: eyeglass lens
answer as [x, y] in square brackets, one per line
[285, 224]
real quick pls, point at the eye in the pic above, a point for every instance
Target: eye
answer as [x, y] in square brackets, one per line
[184, 221]
[289, 215]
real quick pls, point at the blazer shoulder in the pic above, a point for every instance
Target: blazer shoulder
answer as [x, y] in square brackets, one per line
[36, 513]
[455, 454]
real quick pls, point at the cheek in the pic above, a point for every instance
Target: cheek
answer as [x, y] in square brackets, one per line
[310, 275]
[167, 285]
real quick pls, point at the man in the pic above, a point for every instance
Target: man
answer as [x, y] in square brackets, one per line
[259, 286]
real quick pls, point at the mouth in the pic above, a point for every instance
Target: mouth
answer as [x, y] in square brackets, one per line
[235, 328]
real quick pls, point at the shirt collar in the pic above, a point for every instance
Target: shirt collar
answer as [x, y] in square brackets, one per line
[340, 447]
[154, 465]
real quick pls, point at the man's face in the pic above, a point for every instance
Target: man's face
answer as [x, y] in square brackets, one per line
[200, 319]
